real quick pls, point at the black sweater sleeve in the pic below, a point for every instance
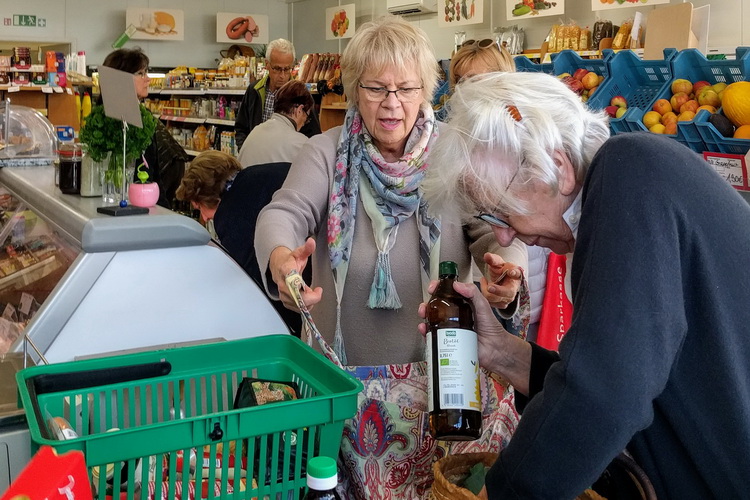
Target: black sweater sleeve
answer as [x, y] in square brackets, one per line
[541, 360]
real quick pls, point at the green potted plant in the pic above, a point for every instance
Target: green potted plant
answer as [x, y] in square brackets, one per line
[103, 137]
[143, 192]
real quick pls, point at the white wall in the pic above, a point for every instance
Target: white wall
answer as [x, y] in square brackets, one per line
[92, 25]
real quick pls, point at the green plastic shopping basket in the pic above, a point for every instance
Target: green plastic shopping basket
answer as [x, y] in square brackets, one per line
[161, 424]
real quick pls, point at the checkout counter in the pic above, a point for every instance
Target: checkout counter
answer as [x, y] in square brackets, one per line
[81, 284]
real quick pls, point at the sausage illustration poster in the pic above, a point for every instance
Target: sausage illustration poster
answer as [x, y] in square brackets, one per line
[241, 28]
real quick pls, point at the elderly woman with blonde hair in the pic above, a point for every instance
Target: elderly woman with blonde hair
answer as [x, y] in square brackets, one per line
[479, 56]
[657, 360]
[352, 205]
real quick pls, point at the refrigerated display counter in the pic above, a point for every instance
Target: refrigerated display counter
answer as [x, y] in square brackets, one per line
[81, 284]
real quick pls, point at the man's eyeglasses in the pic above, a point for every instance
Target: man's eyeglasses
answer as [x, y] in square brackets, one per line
[279, 69]
[484, 43]
[380, 94]
[308, 113]
[492, 220]
[142, 73]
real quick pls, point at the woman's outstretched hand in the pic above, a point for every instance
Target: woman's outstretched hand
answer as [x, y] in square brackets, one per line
[284, 260]
[505, 282]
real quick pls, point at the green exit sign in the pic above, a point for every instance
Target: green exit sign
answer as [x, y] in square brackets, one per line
[28, 20]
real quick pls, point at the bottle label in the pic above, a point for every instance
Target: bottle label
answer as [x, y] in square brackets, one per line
[458, 370]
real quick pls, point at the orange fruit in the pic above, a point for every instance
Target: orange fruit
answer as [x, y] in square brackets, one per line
[742, 132]
[651, 118]
[736, 103]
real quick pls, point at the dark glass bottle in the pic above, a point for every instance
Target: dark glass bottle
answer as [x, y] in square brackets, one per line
[70, 168]
[322, 479]
[454, 399]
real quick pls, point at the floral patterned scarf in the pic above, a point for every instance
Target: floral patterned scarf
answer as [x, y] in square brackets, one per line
[390, 194]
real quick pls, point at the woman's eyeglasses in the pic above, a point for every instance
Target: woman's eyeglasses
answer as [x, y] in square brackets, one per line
[484, 43]
[492, 220]
[380, 94]
[142, 73]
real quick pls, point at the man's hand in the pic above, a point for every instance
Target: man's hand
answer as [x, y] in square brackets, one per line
[284, 260]
[506, 281]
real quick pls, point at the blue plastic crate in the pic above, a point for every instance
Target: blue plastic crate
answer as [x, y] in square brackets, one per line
[568, 61]
[636, 80]
[687, 132]
[717, 143]
[523, 63]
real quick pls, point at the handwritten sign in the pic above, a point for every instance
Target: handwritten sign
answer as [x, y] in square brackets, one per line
[733, 168]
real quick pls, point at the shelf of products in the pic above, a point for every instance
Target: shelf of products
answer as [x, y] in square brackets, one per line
[56, 103]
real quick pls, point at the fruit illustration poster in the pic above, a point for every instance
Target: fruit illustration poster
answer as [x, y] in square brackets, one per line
[458, 12]
[525, 9]
[619, 4]
[241, 28]
[156, 24]
[340, 22]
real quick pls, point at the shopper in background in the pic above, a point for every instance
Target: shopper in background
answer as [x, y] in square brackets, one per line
[230, 199]
[657, 358]
[476, 57]
[352, 205]
[278, 139]
[165, 157]
[258, 103]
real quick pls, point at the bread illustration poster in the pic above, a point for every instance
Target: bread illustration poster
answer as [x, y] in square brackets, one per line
[241, 28]
[531, 9]
[340, 22]
[156, 24]
[619, 4]
[458, 12]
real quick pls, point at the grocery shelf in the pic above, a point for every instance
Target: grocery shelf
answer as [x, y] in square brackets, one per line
[220, 121]
[199, 92]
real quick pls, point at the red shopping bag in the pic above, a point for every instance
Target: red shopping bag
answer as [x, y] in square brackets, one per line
[556, 307]
[53, 477]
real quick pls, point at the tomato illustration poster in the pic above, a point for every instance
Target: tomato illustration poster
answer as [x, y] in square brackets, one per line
[619, 4]
[340, 22]
[241, 28]
[530, 9]
[156, 24]
[458, 12]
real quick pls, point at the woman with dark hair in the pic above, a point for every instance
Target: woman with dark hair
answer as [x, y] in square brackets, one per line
[278, 139]
[165, 158]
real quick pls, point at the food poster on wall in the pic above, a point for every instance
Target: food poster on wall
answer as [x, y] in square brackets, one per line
[619, 4]
[340, 22]
[459, 12]
[241, 28]
[156, 24]
[525, 9]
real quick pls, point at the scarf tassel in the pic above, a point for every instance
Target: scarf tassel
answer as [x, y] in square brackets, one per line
[383, 294]
[338, 338]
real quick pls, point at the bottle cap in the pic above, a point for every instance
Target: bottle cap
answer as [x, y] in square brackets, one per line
[321, 473]
[448, 267]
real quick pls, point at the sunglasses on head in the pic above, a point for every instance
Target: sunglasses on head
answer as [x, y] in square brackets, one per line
[484, 43]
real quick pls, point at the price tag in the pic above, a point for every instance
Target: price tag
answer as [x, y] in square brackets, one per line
[69, 90]
[26, 301]
[58, 90]
[9, 312]
[14, 88]
[733, 168]
[46, 89]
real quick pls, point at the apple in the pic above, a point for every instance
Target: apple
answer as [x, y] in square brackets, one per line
[592, 90]
[651, 118]
[682, 85]
[662, 106]
[580, 73]
[719, 87]
[621, 112]
[669, 117]
[563, 75]
[670, 128]
[709, 97]
[691, 105]
[686, 116]
[697, 86]
[611, 111]
[678, 100]
[575, 85]
[618, 101]
[708, 108]
[590, 80]
[657, 128]
[601, 78]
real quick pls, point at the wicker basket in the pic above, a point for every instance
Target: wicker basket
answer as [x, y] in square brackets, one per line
[449, 469]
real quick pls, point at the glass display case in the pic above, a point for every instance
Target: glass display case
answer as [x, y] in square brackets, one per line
[26, 137]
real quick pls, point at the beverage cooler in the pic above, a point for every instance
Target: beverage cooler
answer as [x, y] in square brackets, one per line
[81, 284]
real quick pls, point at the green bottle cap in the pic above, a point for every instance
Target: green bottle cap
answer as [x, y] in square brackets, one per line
[321, 473]
[448, 267]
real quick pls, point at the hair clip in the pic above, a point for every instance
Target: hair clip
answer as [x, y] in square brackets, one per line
[514, 113]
